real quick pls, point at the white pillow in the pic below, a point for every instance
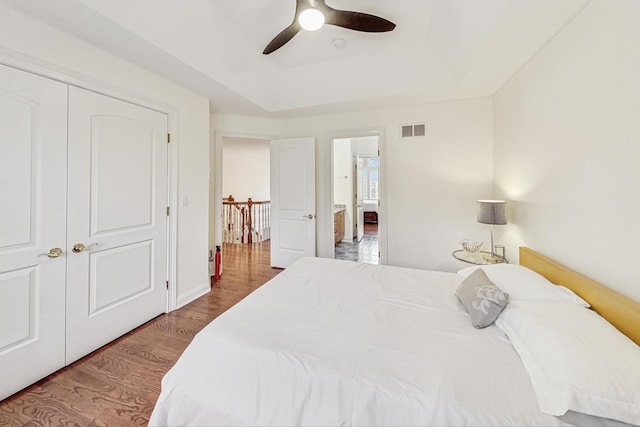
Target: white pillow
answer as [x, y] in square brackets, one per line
[523, 284]
[575, 359]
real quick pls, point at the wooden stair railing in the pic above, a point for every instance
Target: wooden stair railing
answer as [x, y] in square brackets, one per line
[246, 222]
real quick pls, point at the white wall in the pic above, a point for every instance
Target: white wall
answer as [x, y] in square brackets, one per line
[365, 146]
[245, 170]
[430, 183]
[567, 147]
[53, 53]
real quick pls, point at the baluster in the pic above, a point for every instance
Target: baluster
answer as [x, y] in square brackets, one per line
[230, 223]
[265, 224]
[238, 222]
[233, 223]
[249, 221]
[225, 228]
[254, 223]
[232, 232]
[234, 213]
[246, 222]
[268, 220]
[260, 223]
[243, 224]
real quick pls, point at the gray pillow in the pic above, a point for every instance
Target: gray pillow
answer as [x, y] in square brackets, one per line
[483, 300]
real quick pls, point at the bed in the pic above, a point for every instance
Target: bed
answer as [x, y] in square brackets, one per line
[330, 342]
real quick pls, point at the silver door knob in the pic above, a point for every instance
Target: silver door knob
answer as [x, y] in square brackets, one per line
[310, 216]
[53, 253]
[79, 247]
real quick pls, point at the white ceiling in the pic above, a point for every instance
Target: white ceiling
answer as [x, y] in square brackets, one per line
[440, 50]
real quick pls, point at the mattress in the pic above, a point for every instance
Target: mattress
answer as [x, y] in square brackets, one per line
[330, 342]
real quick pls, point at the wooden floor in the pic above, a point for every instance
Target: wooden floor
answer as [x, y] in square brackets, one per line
[370, 229]
[119, 384]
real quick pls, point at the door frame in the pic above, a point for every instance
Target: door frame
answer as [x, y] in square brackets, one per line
[382, 177]
[216, 161]
[357, 174]
[47, 70]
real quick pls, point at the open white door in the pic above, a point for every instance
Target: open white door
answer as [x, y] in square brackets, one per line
[117, 219]
[358, 208]
[33, 166]
[293, 200]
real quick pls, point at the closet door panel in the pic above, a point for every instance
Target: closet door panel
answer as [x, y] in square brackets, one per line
[117, 211]
[33, 162]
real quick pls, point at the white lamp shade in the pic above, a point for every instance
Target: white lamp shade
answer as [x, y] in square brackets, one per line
[311, 19]
[492, 212]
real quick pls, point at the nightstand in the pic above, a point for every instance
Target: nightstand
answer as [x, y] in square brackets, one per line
[478, 258]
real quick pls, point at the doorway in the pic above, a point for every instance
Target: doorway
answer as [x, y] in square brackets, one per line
[356, 198]
[240, 197]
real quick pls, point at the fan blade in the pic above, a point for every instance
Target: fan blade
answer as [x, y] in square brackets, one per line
[282, 38]
[358, 21]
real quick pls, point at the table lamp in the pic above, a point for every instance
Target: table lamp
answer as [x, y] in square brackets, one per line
[492, 212]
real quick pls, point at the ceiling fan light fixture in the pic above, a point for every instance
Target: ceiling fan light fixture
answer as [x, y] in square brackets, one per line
[310, 16]
[311, 19]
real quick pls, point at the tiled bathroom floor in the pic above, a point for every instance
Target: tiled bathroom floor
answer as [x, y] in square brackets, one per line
[364, 251]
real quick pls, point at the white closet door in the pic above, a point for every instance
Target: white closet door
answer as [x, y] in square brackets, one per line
[117, 209]
[33, 162]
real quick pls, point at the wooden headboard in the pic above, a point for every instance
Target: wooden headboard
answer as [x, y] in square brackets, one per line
[621, 311]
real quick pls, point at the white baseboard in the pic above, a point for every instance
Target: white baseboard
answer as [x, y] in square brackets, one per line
[193, 295]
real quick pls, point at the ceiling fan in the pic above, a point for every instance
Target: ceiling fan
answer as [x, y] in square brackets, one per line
[312, 14]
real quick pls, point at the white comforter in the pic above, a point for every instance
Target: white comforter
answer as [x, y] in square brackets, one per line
[339, 343]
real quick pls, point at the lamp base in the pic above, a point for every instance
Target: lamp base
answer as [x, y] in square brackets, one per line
[497, 251]
[493, 253]
[500, 251]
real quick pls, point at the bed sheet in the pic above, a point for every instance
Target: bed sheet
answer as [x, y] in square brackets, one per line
[330, 342]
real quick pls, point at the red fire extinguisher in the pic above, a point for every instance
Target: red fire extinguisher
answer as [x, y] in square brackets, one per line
[218, 260]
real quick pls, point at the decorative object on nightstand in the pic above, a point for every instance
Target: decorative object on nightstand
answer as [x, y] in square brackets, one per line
[478, 258]
[493, 212]
[471, 247]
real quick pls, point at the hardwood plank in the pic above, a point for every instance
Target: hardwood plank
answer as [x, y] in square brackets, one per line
[119, 383]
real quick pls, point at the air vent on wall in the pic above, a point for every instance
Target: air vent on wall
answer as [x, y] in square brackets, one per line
[414, 130]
